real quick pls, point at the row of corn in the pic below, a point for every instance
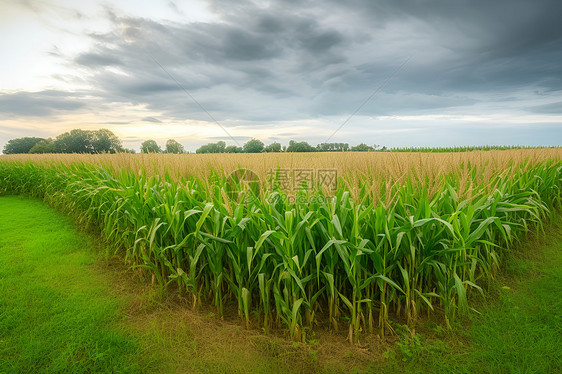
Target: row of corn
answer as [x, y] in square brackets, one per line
[336, 261]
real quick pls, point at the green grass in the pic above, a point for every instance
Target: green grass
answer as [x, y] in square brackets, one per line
[519, 329]
[56, 314]
[522, 331]
[63, 310]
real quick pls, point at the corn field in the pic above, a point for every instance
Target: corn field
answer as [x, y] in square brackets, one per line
[401, 235]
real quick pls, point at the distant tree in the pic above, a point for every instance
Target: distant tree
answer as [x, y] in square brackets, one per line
[173, 146]
[218, 147]
[233, 149]
[253, 146]
[362, 148]
[300, 147]
[44, 146]
[273, 147]
[20, 145]
[75, 141]
[129, 150]
[150, 146]
[323, 147]
[105, 141]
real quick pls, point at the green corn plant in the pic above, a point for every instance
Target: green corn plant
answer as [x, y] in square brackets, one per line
[413, 244]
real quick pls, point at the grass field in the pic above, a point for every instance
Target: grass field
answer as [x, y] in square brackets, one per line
[400, 236]
[55, 312]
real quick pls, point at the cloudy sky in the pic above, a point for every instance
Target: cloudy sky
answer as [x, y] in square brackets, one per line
[414, 72]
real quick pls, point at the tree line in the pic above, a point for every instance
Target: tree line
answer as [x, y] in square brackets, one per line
[257, 146]
[74, 141]
[105, 141]
[84, 141]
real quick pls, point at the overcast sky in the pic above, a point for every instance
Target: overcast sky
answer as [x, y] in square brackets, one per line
[438, 73]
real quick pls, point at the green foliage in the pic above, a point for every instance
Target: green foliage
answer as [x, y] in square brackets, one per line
[362, 148]
[287, 259]
[300, 147]
[172, 146]
[414, 348]
[75, 141]
[233, 149]
[20, 145]
[517, 329]
[86, 141]
[273, 147]
[253, 146]
[218, 147]
[105, 141]
[44, 146]
[150, 146]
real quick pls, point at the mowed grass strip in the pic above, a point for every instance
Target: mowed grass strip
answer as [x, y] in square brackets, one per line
[56, 313]
[522, 331]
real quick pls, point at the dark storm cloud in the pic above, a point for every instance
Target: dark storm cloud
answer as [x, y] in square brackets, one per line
[503, 43]
[246, 46]
[292, 60]
[254, 69]
[41, 103]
